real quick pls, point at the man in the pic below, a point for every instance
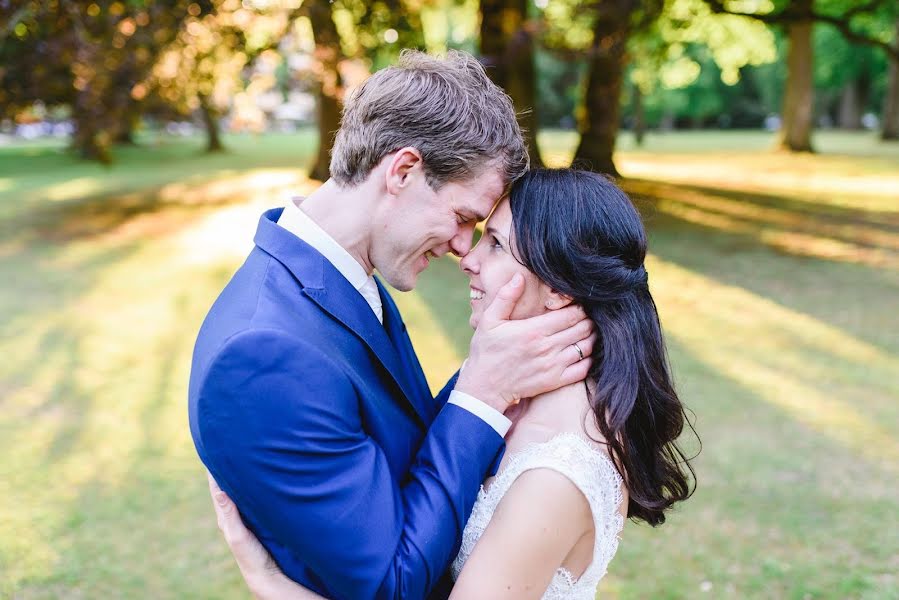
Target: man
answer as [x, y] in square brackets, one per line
[307, 402]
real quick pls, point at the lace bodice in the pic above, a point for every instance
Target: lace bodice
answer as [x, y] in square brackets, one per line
[593, 473]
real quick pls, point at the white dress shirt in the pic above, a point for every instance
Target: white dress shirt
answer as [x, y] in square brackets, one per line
[294, 220]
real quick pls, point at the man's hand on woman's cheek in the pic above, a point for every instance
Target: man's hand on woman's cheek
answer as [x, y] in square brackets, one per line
[513, 359]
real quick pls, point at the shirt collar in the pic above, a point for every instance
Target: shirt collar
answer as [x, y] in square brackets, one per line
[294, 220]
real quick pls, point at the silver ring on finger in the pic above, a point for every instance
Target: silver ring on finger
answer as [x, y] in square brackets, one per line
[579, 351]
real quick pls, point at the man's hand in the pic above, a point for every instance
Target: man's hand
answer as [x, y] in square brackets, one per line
[510, 360]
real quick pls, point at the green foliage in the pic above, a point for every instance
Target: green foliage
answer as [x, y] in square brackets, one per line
[36, 55]
[377, 31]
[732, 43]
[559, 83]
[207, 62]
[90, 55]
[687, 62]
[839, 63]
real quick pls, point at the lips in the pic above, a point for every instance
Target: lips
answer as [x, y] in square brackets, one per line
[476, 294]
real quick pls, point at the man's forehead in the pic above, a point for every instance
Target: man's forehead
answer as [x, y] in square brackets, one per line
[485, 192]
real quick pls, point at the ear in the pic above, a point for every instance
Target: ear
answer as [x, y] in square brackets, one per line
[406, 162]
[554, 300]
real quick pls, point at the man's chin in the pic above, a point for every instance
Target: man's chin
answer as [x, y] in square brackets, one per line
[403, 282]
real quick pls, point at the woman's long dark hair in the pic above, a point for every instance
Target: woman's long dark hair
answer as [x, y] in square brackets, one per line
[580, 234]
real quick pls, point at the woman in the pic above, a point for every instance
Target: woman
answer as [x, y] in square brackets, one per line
[578, 460]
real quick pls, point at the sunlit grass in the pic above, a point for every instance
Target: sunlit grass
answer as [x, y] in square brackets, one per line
[854, 170]
[779, 310]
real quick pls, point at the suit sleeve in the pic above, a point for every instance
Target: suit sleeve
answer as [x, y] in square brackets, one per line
[444, 394]
[282, 432]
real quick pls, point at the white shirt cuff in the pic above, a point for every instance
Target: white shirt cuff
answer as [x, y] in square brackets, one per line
[497, 420]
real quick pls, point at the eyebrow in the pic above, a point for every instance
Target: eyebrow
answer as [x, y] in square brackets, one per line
[472, 216]
[492, 231]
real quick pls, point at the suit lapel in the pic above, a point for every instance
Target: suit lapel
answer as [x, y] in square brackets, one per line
[412, 370]
[340, 300]
[323, 284]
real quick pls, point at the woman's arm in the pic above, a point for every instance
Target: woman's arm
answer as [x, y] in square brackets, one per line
[259, 570]
[537, 523]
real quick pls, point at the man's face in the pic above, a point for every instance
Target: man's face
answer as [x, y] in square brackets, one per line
[424, 224]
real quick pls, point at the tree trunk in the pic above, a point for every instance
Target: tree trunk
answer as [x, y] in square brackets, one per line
[125, 135]
[890, 125]
[127, 126]
[850, 115]
[211, 124]
[91, 144]
[330, 85]
[798, 107]
[639, 116]
[599, 128]
[90, 139]
[507, 50]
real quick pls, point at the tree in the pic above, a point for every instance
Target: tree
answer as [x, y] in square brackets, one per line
[36, 56]
[799, 100]
[507, 50]
[610, 32]
[847, 76]
[799, 16]
[99, 51]
[329, 91]
[890, 120]
[607, 60]
[212, 60]
[690, 63]
[378, 31]
[598, 32]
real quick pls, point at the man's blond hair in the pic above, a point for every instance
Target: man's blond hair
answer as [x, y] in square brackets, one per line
[446, 108]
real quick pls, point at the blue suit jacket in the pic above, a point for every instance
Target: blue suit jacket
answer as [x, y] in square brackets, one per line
[318, 422]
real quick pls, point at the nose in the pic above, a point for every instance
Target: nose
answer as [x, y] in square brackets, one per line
[460, 245]
[470, 263]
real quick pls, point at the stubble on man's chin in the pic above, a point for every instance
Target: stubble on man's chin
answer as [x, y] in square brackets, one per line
[401, 284]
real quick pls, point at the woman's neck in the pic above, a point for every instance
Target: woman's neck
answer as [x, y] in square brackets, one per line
[559, 411]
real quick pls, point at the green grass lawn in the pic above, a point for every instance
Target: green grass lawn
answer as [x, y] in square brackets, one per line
[776, 277]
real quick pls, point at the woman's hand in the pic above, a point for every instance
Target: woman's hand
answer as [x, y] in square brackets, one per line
[261, 573]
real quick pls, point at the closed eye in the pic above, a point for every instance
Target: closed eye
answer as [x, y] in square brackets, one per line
[495, 243]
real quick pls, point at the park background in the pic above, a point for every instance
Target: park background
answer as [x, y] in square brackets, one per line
[140, 140]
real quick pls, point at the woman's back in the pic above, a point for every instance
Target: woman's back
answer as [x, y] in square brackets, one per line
[593, 474]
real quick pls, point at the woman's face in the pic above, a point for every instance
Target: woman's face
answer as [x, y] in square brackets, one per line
[491, 264]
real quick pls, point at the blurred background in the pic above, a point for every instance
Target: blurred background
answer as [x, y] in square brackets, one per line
[140, 140]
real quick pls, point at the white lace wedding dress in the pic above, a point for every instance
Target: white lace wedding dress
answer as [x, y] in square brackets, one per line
[593, 473]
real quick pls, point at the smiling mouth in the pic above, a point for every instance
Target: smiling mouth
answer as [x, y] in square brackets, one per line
[476, 294]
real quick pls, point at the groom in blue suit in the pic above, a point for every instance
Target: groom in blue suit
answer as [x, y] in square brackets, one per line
[307, 403]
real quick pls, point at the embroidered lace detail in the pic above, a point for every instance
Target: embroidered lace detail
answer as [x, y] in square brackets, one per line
[593, 473]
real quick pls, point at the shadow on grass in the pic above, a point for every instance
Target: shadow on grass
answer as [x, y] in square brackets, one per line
[837, 265]
[173, 204]
[107, 493]
[787, 225]
[781, 510]
[782, 499]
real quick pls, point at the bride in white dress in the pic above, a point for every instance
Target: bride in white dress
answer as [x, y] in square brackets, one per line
[581, 459]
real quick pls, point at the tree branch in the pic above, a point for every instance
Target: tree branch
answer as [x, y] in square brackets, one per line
[784, 17]
[863, 8]
[841, 22]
